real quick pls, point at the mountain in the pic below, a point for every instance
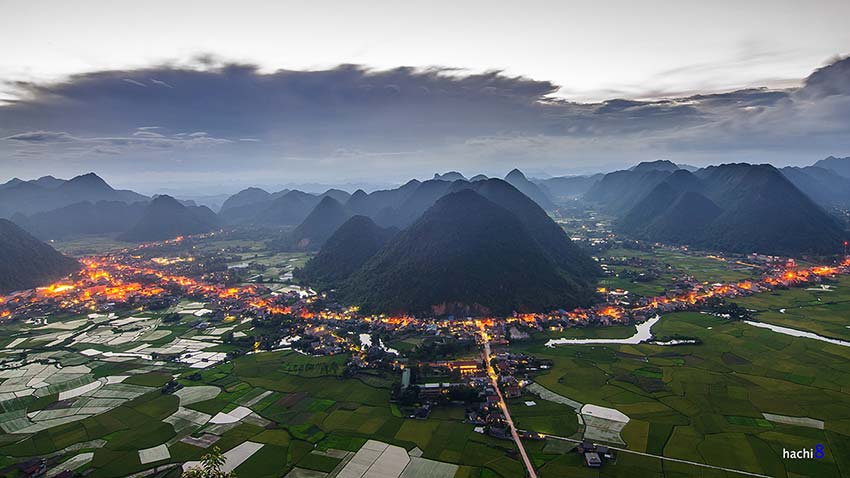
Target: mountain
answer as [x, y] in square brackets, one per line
[687, 217]
[48, 193]
[569, 187]
[165, 218]
[374, 203]
[658, 165]
[618, 191]
[840, 166]
[449, 176]
[91, 187]
[317, 227]
[290, 209]
[736, 208]
[283, 208]
[478, 177]
[48, 182]
[26, 262]
[824, 186]
[551, 237]
[353, 243]
[247, 205]
[11, 183]
[418, 197]
[246, 197]
[417, 202]
[464, 255]
[102, 217]
[518, 180]
[338, 194]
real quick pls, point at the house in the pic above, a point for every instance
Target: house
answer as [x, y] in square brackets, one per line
[592, 460]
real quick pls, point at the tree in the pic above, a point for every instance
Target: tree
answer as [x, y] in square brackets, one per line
[210, 467]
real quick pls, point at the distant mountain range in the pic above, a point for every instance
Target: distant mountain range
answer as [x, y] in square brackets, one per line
[841, 166]
[283, 208]
[26, 262]
[52, 208]
[48, 193]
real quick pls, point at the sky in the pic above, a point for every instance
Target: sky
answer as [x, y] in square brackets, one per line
[213, 95]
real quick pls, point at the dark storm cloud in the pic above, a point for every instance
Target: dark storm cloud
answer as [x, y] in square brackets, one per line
[236, 111]
[238, 100]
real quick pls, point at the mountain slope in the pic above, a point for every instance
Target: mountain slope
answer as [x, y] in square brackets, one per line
[374, 203]
[659, 200]
[102, 217]
[518, 180]
[245, 197]
[658, 165]
[569, 187]
[350, 246]
[824, 186]
[317, 227]
[48, 193]
[736, 208]
[26, 262]
[290, 209]
[840, 166]
[687, 217]
[618, 191]
[551, 237]
[449, 176]
[165, 218]
[421, 196]
[465, 254]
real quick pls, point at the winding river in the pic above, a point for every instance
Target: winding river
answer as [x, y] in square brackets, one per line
[644, 334]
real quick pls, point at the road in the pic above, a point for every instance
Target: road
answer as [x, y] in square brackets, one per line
[502, 404]
[494, 379]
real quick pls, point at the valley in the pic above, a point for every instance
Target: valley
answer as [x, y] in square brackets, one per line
[281, 376]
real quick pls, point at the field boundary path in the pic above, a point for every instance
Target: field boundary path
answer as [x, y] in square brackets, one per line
[677, 460]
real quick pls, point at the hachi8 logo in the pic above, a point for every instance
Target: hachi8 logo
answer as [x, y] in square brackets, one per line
[819, 451]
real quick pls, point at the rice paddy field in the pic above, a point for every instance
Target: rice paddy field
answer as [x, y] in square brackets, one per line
[824, 311]
[703, 266]
[90, 397]
[270, 413]
[707, 403]
[735, 401]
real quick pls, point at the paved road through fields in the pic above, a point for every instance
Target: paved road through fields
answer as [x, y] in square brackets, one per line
[502, 404]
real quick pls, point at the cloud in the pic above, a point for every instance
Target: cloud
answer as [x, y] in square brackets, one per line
[405, 120]
[41, 137]
[134, 82]
[139, 138]
[160, 83]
